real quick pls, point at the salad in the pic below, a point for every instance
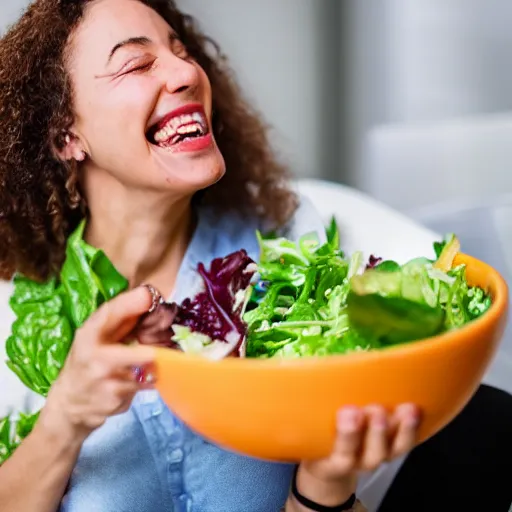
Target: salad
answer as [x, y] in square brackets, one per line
[306, 298]
[303, 298]
[311, 301]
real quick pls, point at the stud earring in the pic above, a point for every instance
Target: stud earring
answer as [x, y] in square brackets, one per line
[82, 156]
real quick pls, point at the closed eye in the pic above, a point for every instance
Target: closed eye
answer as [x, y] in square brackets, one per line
[139, 69]
[143, 67]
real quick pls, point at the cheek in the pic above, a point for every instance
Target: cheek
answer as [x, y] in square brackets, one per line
[118, 115]
[206, 88]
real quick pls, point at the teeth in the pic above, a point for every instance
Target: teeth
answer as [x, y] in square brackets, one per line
[181, 125]
[189, 128]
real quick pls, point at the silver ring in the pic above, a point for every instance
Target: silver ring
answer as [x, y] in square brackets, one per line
[156, 297]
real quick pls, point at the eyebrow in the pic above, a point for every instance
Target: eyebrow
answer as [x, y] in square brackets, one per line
[139, 41]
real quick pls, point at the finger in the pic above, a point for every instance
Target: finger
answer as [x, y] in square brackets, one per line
[116, 393]
[117, 317]
[350, 424]
[124, 389]
[408, 419]
[131, 374]
[121, 357]
[376, 445]
[144, 376]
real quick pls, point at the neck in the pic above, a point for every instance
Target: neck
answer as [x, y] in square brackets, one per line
[145, 235]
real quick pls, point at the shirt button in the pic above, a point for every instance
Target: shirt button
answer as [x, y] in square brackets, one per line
[175, 456]
[187, 502]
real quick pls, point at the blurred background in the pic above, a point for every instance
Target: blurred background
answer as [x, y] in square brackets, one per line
[409, 101]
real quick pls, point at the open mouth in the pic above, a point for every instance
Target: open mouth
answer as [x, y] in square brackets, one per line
[185, 125]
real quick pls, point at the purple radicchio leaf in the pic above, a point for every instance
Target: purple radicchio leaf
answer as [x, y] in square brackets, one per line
[155, 327]
[217, 310]
[373, 261]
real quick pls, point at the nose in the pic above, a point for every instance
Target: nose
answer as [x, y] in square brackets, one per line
[179, 75]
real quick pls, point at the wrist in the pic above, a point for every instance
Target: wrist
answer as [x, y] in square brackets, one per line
[329, 493]
[65, 442]
[57, 426]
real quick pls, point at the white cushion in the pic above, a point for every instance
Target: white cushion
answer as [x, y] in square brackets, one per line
[14, 396]
[368, 225]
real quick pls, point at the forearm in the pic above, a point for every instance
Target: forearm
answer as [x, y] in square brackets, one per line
[36, 475]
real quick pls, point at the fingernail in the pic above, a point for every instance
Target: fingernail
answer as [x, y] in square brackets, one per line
[144, 376]
[150, 378]
[138, 374]
[348, 419]
[410, 414]
[412, 419]
[379, 421]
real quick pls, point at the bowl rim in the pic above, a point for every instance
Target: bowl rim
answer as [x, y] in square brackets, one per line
[498, 309]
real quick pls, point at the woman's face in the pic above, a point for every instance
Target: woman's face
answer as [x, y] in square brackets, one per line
[143, 107]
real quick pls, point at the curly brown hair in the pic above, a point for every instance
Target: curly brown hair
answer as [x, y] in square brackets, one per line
[40, 198]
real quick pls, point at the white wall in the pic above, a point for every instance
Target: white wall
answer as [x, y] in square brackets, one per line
[278, 52]
[424, 61]
[449, 58]
[10, 10]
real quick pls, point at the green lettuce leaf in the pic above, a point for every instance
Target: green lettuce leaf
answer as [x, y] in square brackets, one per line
[313, 301]
[47, 316]
[302, 309]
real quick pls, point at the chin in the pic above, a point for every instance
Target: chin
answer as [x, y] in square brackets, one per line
[191, 173]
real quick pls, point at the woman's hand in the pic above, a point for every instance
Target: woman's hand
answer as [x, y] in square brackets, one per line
[97, 380]
[366, 438]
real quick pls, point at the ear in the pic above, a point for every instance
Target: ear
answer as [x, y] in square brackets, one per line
[71, 148]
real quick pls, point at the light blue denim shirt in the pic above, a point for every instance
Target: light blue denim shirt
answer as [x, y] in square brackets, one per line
[147, 460]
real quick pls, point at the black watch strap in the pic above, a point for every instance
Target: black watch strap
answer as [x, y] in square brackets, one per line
[306, 502]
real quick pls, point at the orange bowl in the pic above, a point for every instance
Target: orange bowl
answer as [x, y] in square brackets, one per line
[284, 410]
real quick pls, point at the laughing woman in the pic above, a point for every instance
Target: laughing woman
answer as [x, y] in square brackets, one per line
[122, 113]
